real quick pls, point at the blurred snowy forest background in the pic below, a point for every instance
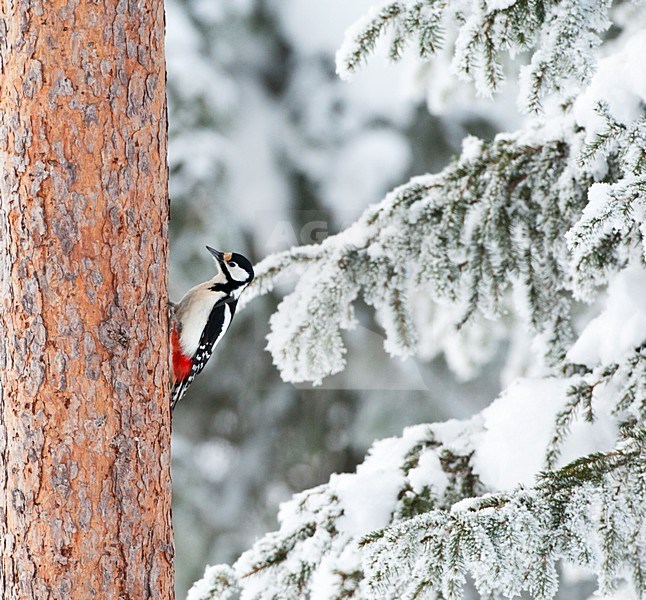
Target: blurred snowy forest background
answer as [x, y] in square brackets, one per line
[269, 149]
[516, 237]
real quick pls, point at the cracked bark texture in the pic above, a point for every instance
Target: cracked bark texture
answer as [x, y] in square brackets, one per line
[84, 413]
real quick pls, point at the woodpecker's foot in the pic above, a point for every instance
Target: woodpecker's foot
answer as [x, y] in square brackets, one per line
[172, 316]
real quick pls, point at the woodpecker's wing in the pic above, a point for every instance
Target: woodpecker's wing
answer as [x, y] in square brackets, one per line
[218, 322]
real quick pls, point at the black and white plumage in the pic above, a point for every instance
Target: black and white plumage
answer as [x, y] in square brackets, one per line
[202, 317]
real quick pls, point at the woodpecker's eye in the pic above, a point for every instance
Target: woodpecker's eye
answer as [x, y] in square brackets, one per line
[232, 264]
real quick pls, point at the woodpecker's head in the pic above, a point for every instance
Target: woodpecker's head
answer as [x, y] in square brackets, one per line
[235, 268]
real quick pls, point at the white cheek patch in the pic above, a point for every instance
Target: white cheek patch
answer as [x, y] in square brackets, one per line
[238, 273]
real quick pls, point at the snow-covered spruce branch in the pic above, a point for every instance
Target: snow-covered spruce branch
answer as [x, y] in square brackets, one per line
[316, 544]
[495, 217]
[553, 215]
[612, 225]
[506, 213]
[626, 382]
[614, 220]
[590, 513]
[406, 501]
[564, 33]
[219, 583]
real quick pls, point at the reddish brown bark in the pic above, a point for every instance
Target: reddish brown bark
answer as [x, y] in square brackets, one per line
[84, 415]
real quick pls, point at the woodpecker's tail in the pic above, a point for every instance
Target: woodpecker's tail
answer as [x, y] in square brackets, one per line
[179, 389]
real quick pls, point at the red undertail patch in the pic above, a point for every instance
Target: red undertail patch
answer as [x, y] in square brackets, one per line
[181, 363]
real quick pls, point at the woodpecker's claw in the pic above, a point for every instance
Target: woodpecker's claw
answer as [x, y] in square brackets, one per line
[172, 316]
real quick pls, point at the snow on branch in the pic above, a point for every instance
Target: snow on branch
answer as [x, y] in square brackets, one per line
[465, 235]
[625, 380]
[550, 212]
[611, 111]
[428, 508]
[564, 35]
[612, 224]
[614, 220]
[218, 583]
[512, 542]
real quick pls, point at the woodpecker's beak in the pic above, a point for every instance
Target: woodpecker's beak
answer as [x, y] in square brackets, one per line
[216, 253]
[220, 256]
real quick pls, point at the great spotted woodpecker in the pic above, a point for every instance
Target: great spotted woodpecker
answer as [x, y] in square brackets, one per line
[202, 317]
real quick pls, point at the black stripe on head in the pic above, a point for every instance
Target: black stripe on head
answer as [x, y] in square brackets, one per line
[225, 270]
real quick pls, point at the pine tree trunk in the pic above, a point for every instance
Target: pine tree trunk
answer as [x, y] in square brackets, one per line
[84, 415]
